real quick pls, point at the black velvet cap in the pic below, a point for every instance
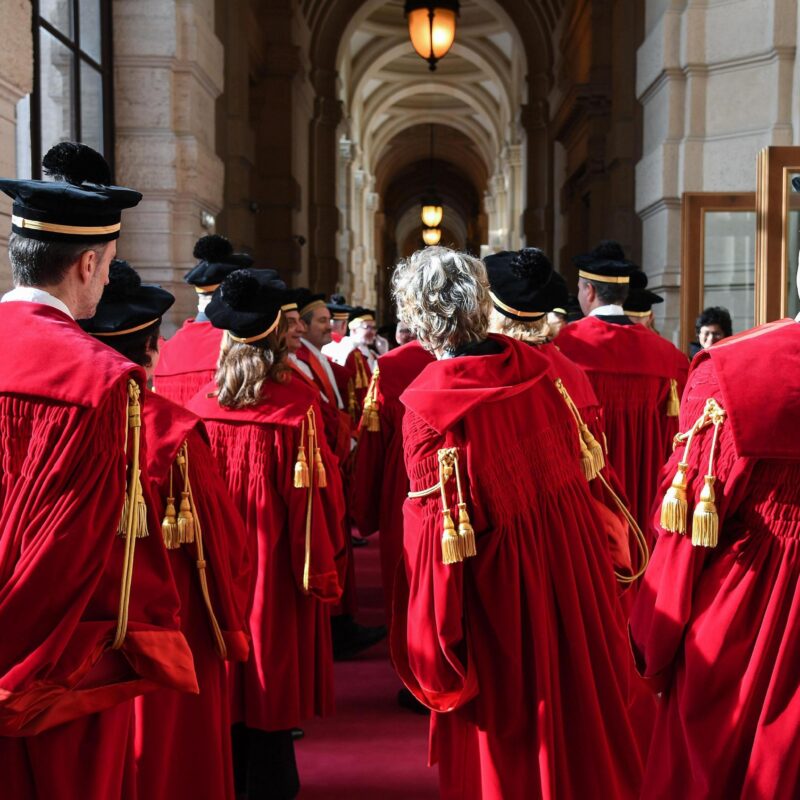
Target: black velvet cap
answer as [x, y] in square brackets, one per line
[359, 314]
[307, 301]
[339, 310]
[248, 303]
[127, 306]
[606, 264]
[517, 282]
[216, 260]
[640, 299]
[77, 206]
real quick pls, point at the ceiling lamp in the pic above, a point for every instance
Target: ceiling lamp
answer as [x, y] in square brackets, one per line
[431, 236]
[432, 27]
[431, 204]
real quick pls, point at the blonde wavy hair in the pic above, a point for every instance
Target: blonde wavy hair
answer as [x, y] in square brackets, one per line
[443, 296]
[243, 369]
[536, 332]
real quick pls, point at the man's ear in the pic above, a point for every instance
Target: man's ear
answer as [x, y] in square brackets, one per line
[88, 264]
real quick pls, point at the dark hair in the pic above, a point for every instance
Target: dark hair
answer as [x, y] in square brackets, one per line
[134, 346]
[716, 315]
[611, 294]
[35, 263]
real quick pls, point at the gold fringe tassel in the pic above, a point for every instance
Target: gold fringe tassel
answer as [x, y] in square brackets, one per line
[673, 401]
[675, 504]
[370, 417]
[308, 483]
[313, 447]
[301, 475]
[456, 545]
[362, 377]
[169, 525]
[592, 457]
[705, 520]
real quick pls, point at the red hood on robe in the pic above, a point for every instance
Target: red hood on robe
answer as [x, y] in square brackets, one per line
[446, 390]
[193, 348]
[759, 376]
[400, 366]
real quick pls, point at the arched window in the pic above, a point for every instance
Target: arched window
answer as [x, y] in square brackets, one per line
[72, 97]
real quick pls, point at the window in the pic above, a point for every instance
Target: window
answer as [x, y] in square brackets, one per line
[71, 97]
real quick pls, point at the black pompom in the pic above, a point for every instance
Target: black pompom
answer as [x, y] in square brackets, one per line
[531, 263]
[240, 290]
[76, 163]
[338, 300]
[123, 280]
[213, 248]
[610, 249]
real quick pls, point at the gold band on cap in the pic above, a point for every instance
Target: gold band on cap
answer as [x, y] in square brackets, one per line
[362, 318]
[593, 276]
[258, 336]
[289, 307]
[559, 310]
[71, 230]
[129, 330]
[637, 313]
[207, 289]
[503, 307]
[312, 306]
[340, 315]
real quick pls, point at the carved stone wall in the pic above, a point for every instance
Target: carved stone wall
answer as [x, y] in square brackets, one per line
[16, 80]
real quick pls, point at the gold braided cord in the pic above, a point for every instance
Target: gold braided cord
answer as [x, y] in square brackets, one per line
[501, 306]
[309, 503]
[593, 276]
[134, 489]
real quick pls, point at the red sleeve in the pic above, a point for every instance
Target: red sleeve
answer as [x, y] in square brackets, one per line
[429, 646]
[664, 601]
[315, 516]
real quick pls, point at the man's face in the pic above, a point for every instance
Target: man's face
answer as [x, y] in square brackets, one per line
[295, 330]
[403, 334]
[318, 329]
[364, 332]
[710, 334]
[94, 272]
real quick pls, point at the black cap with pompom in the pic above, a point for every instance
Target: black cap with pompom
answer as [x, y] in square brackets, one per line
[248, 303]
[605, 264]
[640, 300]
[127, 306]
[516, 281]
[77, 207]
[216, 260]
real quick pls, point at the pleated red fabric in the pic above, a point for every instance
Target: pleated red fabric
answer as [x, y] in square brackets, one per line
[630, 368]
[521, 650]
[183, 741]
[188, 361]
[63, 425]
[717, 628]
[289, 674]
[379, 484]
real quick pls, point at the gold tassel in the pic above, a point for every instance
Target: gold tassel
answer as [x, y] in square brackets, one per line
[185, 521]
[352, 405]
[301, 477]
[169, 525]
[595, 449]
[123, 520]
[361, 371]
[452, 548]
[370, 417]
[705, 522]
[674, 505]
[592, 459]
[141, 516]
[466, 532]
[313, 444]
[673, 401]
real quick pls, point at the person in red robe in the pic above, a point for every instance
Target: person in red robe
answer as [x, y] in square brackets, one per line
[183, 741]
[189, 358]
[524, 288]
[714, 625]
[88, 607]
[639, 303]
[507, 624]
[266, 433]
[637, 377]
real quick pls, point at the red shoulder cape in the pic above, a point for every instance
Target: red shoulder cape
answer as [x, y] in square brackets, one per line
[193, 348]
[400, 366]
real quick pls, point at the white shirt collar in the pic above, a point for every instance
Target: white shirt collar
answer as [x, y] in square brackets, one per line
[326, 366]
[31, 294]
[607, 311]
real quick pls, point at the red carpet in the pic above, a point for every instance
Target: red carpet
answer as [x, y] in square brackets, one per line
[371, 748]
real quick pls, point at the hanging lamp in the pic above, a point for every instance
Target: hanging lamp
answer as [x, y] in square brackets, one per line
[432, 27]
[431, 236]
[432, 212]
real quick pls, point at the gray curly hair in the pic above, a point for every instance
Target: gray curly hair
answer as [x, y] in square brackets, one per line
[443, 296]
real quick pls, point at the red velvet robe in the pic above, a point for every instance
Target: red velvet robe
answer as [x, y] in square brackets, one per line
[188, 361]
[520, 650]
[380, 484]
[630, 368]
[717, 628]
[289, 675]
[63, 425]
[183, 741]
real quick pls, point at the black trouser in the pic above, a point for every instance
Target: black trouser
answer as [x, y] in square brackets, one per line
[264, 767]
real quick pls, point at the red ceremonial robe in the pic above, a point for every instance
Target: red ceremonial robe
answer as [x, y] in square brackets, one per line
[183, 741]
[717, 627]
[630, 369]
[521, 650]
[380, 484]
[188, 361]
[63, 424]
[298, 538]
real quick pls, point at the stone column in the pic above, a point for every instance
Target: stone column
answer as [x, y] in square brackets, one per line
[344, 236]
[168, 72]
[16, 80]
